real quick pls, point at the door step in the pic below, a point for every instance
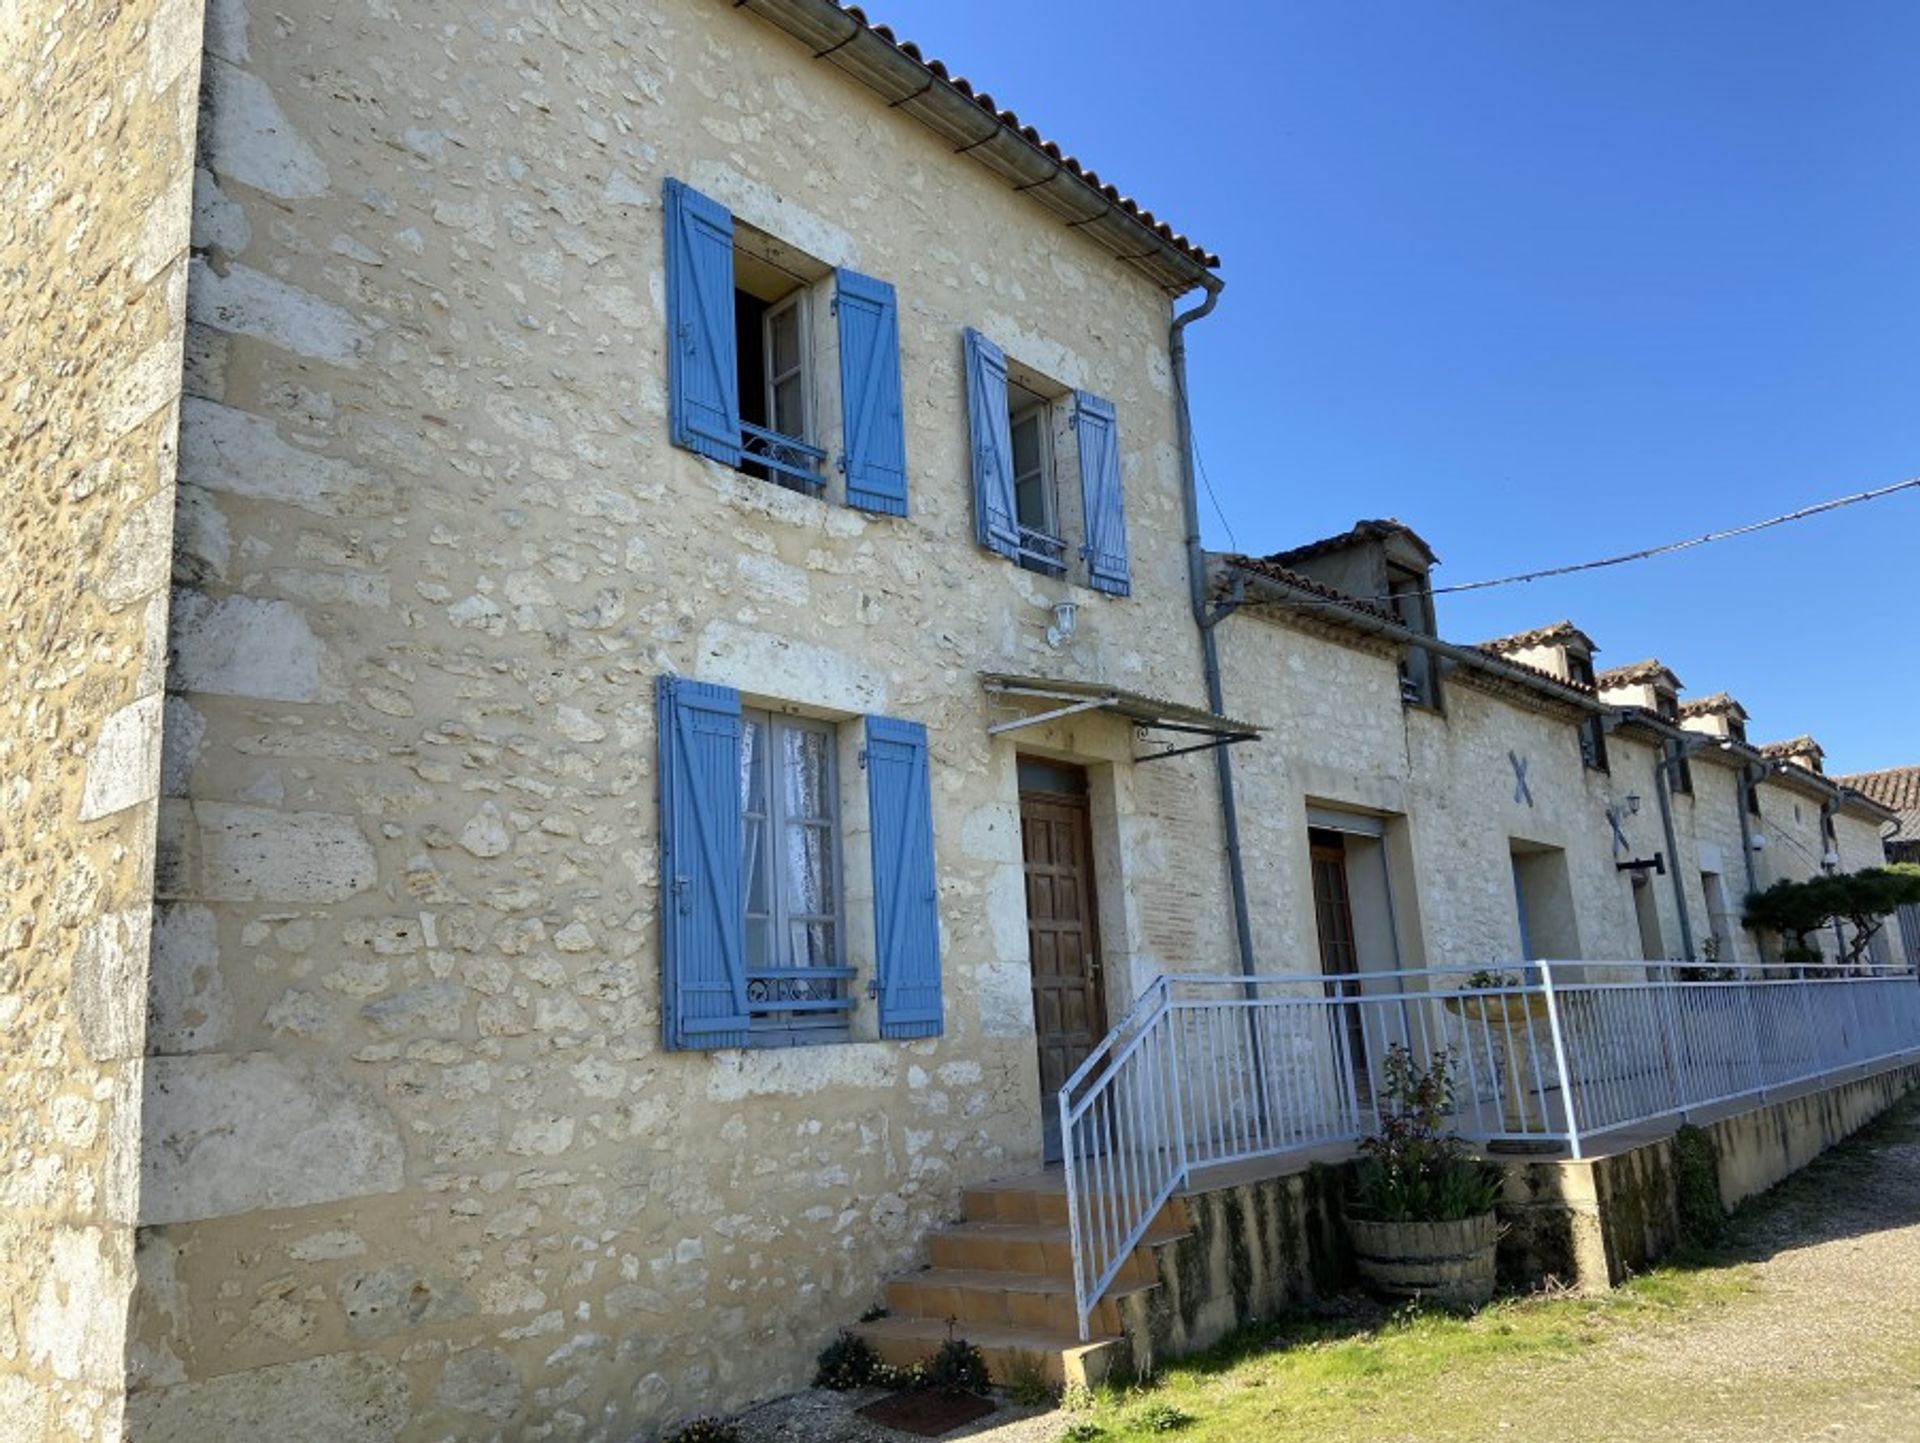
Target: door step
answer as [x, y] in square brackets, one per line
[1003, 1281]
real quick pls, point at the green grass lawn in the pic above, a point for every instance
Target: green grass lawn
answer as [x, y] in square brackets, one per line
[1334, 1380]
[1368, 1375]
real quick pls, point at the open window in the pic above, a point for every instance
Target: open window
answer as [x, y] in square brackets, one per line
[755, 328]
[774, 290]
[1031, 435]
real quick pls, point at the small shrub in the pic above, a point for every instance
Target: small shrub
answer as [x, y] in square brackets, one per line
[874, 1313]
[1696, 1182]
[706, 1430]
[1027, 1381]
[1083, 1430]
[958, 1368]
[900, 1378]
[1076, 1398]
[1160, 1416]
[1414, 1169]
[845, 1364]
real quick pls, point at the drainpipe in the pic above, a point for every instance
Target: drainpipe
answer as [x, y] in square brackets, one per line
[1744, 783]
[1206, 619]
[1673, 849]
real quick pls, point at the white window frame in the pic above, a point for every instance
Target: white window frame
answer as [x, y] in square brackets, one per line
[796, 304]
[781, 1026]
[1042, 548]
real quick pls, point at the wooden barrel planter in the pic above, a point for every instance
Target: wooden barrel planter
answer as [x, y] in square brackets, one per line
[1448, 1264]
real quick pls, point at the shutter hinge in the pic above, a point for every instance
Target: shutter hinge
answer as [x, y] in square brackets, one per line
[863, 759]
[842, 462]
[873, 987]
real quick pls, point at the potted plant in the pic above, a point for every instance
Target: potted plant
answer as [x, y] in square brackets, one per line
[1420, 1215]
[1512, 1015]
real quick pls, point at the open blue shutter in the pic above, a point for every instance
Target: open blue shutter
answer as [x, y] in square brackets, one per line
[702, 913]
[1102, 504]
[994, 518]
[703, 364]
[906, 913]
[875, 459]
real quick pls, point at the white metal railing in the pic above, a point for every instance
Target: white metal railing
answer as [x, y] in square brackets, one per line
[1208, 1070]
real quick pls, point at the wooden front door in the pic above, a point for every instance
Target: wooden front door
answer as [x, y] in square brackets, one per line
[1063, 942]
[1339, 952]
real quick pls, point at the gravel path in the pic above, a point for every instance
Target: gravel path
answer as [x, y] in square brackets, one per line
[1824, 1344]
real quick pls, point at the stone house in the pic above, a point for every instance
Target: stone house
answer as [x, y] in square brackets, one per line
[604, 702]
[1510, 803]
[653, 580]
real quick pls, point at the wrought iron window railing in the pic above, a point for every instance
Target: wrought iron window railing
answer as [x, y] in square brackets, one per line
[799, 999]
[1040, 552]
[788, 460]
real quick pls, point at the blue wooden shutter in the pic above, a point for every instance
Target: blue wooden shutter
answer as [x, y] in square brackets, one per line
[703, 363]
[873, 426]
[1102, 504]
[995, 522]
[702, 912]
[906, 913]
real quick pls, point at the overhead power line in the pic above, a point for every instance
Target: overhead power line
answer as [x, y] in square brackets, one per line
[1670, 547]
[1645, 552]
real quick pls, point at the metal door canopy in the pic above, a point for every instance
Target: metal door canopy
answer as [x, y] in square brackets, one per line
[1149, 714]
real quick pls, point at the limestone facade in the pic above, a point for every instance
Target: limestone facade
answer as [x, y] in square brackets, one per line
[337, 1100]
[414, 1152]
[97, 107]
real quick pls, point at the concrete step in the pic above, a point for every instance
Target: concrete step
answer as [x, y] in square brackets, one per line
[1000, 1299]
[1040, 1198]
[1042, 1248]
[1009, 1352]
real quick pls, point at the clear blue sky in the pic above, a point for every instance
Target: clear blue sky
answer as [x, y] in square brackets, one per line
[1545, 280]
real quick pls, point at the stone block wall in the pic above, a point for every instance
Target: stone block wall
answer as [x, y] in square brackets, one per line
[97, 104]
[413, 1154]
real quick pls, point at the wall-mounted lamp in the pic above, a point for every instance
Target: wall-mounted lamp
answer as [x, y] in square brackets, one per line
[1829, 858]
[1061, 632]
[1633, 803]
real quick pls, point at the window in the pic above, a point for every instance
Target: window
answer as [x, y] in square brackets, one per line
[1679, 769]
[746, 316]
[1593, 736]
[789, 867]
[753, 942]
[1411, 602]
[1028, 434]
[775, 380]
[1036, 502]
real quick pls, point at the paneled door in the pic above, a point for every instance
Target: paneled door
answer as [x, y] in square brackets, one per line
[1339, 953]
[1063, 943]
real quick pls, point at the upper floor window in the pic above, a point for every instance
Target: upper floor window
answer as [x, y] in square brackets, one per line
[747, 316]
[1412, 604]
[1029, 434]
[1593, 736]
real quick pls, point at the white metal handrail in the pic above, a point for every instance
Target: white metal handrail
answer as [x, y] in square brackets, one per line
[1207, 1069]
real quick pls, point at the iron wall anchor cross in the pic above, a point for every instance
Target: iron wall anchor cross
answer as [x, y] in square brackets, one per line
[1521, 791]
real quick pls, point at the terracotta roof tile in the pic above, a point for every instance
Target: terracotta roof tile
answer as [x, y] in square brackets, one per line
[1896, 788]
[1635, 673]
[1711, 705]
[1360, 531]
[1266, 566]
[1557, 633]
[938, 72]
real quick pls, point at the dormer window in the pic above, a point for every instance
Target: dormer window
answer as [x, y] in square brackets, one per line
[1412, 604]
[1593, 736]
[1680, 770]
